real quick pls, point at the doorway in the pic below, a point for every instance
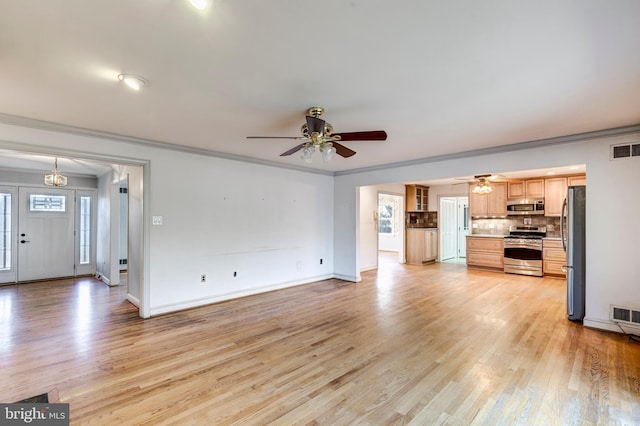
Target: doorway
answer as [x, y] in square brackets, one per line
[454, 227]
[390, 221]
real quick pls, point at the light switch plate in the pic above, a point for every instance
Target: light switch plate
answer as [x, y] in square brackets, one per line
[156, 220]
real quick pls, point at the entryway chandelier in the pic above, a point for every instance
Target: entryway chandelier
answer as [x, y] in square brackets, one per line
[55, 178]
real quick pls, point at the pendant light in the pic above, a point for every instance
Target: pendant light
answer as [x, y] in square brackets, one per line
[55, 178]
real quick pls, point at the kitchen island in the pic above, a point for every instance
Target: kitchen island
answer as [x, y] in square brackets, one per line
[485, 251]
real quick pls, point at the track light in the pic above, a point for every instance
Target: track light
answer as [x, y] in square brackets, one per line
[134, 82]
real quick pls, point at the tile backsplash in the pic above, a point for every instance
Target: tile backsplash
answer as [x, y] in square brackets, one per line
[501, 226]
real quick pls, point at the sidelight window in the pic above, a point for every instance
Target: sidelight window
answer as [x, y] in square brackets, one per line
[5, 232]
[85, 230]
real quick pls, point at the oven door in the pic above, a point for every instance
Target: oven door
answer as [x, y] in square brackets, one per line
[523, 258]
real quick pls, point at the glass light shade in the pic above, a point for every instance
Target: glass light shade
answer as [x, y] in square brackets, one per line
[306, 154]
[482, 188]
[55, 178]
[328, 152]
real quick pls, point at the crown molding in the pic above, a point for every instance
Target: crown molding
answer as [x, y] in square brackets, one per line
[518, 146]
[559, 140]
[80, 131]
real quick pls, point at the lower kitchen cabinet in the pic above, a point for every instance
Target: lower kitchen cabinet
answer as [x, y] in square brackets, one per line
[485, 252]
[422, 245]
[553, 258]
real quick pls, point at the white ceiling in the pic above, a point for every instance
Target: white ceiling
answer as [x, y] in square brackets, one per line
[439, 76]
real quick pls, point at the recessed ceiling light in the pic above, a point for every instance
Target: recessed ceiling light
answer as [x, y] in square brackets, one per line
[199, 4]
[551, 173]
[135, 82]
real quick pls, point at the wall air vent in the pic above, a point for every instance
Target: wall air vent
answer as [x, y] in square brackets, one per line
[625, 151]
[624, 314]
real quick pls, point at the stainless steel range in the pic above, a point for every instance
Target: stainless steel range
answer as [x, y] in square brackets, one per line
[523, 250]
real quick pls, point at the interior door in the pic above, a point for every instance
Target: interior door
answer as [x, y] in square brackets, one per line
[46, 233]
[448, 228]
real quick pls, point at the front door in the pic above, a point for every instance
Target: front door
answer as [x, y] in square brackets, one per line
[46, 233]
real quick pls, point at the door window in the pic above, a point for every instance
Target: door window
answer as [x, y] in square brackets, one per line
[47, 203]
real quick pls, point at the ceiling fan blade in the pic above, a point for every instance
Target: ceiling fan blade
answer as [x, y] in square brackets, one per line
[293, 150]
[315, 124]
[275, 137]
[376, 135]
[343, 150]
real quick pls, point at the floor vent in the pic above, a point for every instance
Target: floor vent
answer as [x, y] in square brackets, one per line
[623, 314]
[625, 151]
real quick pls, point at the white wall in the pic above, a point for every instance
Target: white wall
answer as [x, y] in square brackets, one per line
[368, 256]
[103, 240]
[270, 226]
[435, 192]
[613, 200]
[267, 225]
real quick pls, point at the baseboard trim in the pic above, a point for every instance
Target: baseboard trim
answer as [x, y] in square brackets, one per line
[353, 279]
[610, 325]
[134, 300]
[194, 303]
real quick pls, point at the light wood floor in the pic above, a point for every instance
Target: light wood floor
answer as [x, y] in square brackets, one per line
[408, 345]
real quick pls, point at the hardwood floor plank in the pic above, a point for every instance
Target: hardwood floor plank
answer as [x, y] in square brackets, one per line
[434, 344]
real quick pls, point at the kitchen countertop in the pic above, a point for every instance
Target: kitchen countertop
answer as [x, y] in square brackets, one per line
[552, 238]
[486, 235]
[421, 229]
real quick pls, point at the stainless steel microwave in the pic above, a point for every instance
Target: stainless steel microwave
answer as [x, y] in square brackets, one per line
[525, 206]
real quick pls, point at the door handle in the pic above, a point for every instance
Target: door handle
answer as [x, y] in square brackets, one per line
[25, 241]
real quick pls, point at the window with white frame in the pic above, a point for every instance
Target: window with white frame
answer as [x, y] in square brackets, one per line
[5, 231]
[85, 230]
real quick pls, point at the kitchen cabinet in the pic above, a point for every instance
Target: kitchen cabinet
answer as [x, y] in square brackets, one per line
[485, 252]
[555, 191]
[417, 198]
[577, 180]
[491, 204]
[532, 188]
[553, 257]
[422, 245]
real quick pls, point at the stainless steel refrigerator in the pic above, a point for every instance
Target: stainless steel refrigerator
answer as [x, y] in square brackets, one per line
[573, 242]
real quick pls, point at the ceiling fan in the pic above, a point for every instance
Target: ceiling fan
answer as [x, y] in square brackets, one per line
[318, 134]
[483, 182]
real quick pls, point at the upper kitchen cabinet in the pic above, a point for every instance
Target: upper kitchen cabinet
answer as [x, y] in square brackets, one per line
[491, 204]
[555, 190]
[577, 180]
[417, 198]
[532, 188]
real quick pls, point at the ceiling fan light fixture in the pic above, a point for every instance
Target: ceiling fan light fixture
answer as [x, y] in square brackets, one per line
[307, 152]
[482, 188]
[134, 82]
[55, 178]
[328, 151]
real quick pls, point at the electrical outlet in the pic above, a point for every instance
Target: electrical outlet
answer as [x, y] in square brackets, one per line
[203, 278]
